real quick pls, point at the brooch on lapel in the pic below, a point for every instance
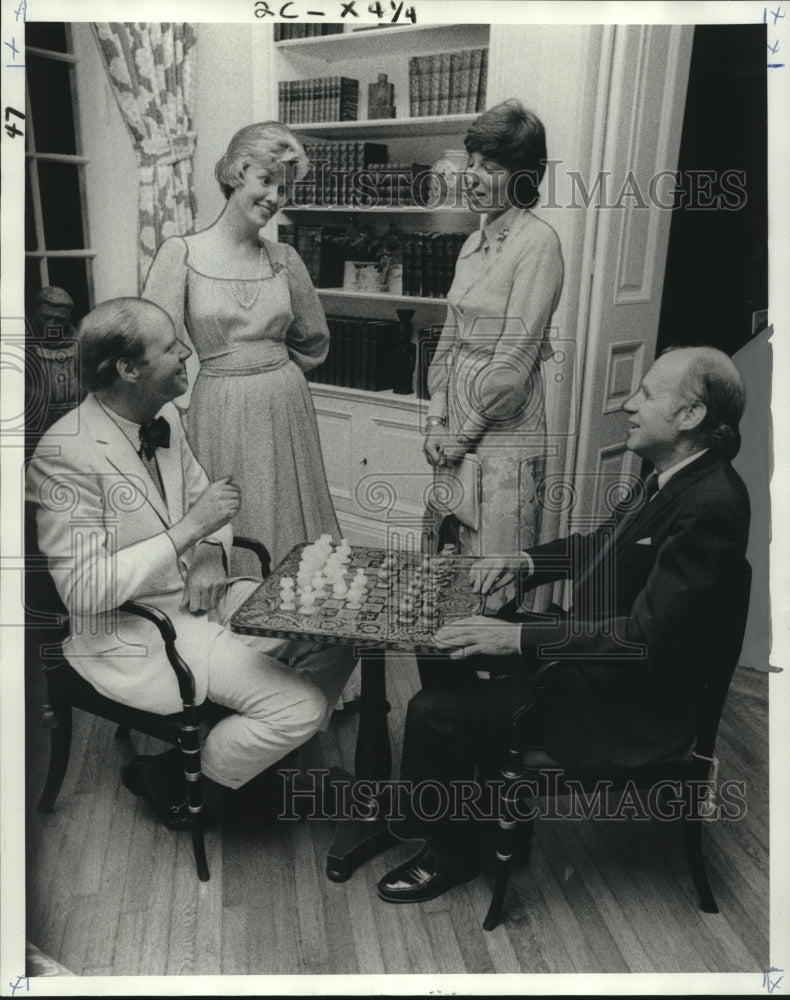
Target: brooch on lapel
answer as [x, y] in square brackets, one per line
[501, 237]
[277, 266]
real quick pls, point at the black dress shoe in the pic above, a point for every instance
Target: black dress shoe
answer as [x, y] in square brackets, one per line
[428, 875]
[140, 777]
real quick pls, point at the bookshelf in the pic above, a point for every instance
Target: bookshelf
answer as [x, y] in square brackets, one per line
[366, 436]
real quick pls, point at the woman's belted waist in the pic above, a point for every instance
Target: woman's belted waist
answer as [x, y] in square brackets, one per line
[248, 359]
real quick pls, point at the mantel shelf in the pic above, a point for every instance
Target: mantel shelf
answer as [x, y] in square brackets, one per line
[386, 128]
[417, 39]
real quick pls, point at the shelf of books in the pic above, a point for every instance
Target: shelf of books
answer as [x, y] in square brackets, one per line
[392, 103]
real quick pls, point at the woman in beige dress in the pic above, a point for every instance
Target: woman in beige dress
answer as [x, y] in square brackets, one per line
[249, 308]
[486, 423]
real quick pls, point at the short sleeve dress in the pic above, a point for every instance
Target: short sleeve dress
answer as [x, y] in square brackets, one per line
[486, 376]
[251, 415]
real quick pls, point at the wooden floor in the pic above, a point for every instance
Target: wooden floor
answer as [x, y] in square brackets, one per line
[110, 892]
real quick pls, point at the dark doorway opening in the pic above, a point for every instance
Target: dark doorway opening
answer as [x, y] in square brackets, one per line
[717, 260]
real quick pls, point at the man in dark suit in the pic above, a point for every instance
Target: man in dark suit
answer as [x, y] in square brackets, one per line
[655, 590]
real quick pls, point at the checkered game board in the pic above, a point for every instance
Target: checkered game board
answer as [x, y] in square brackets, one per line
[377, 622]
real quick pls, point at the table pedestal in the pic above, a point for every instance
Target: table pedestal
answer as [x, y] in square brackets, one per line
[357, 840]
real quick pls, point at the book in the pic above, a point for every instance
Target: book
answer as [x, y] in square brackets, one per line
[483, 81]
[423, 85]
[414, 87]
[334, 324]
[286, 233]
[330, 258]
[460, 68]
[443, 62]
[352, 331]
[381, 356]
[474, 80]
[434, 80]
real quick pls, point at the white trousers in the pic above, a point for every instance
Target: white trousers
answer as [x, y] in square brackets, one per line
[279, 698]
[281, 692]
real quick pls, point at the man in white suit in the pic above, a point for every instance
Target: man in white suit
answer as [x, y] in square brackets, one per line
[126, 512]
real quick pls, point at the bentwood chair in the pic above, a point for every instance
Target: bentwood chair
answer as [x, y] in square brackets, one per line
[65, 689]
[531, 770]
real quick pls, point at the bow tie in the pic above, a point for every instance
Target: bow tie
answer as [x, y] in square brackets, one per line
[154, 434]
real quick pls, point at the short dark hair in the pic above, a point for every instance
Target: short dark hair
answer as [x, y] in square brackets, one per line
[713, 379]
[515, 138]
[110, 332]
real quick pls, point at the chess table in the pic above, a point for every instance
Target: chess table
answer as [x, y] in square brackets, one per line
[371, 630]
[378, 622]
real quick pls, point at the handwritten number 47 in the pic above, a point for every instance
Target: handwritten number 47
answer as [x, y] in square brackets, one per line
[11, 127]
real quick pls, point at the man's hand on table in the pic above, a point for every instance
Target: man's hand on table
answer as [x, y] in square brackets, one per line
[480, 636]
[495, 572]
[205, 581]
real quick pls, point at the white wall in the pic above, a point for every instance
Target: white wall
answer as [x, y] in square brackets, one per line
[110, 177]
[223, 103]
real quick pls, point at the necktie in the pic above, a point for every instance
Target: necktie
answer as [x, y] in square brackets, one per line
[649, 490]
[154, 434]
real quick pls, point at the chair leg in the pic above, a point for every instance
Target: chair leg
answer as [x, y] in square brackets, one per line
[504, 857]
[692, 842]
[59, 750]
[190, 756]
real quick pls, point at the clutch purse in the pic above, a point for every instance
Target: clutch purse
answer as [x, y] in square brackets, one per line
[457, 491]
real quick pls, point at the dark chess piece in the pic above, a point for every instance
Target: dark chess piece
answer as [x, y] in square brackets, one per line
[381, 98]
[405, 355]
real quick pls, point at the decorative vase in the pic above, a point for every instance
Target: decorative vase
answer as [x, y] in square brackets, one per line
[364, 276]
[381, 98]
[404, 355]
[446, 188]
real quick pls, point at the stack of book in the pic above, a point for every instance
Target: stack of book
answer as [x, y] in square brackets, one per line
[285, 32]
[322, 99]
[361, 353]
[429, 263]
[448, 83]
[317, 247]
[397, 184]
[334, 168]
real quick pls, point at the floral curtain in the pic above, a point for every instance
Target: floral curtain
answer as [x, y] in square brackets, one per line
[151, 70]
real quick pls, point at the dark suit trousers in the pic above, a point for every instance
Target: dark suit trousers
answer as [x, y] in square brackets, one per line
[455, 729]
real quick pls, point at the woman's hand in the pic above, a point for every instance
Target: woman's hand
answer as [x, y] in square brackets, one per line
[453, 451]
[432, 445]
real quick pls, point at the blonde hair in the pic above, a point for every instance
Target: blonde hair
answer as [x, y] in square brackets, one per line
[265, 144]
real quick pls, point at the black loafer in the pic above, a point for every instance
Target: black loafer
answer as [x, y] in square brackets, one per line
[172, 810]
[427, 876]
